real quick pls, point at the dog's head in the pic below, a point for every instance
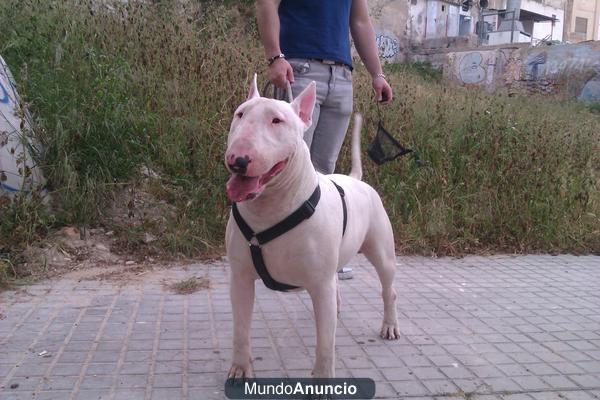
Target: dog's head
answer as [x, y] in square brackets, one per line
[264, 134]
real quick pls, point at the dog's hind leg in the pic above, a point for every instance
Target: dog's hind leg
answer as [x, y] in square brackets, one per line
[379, 249]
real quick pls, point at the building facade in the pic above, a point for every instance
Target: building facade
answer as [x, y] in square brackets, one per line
[519, 21]
[582, 20]
[404, 24]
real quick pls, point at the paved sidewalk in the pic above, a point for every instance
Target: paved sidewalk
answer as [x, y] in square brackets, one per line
[487, 328]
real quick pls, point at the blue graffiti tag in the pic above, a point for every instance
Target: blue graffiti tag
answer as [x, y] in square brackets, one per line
[388, 46]
[534, 61]
[591, 91]
[4, 94]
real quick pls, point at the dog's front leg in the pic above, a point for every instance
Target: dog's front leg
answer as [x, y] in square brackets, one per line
[242, 303]
[325, 307]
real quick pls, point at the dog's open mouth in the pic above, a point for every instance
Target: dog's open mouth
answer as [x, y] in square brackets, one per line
[243, 187]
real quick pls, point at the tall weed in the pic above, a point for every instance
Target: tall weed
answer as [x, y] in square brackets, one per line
[115, 87]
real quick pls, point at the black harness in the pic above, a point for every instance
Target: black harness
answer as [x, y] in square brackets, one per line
[256, 240]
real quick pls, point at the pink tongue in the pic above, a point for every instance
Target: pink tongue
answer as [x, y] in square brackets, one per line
[239, 187]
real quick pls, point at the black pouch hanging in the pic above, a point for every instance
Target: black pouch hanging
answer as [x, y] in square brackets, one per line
[384, 146]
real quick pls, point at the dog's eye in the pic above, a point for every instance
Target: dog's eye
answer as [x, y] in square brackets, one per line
[240, 114]
[276, 121]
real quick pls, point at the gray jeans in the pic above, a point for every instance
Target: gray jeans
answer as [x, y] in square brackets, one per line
[332, 112]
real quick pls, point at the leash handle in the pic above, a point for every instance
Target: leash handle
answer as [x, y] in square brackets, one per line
[266, 87]
[289, 90]
[290, 96]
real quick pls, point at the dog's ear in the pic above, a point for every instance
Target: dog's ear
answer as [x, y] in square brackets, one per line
[253, 92]
[304, 104]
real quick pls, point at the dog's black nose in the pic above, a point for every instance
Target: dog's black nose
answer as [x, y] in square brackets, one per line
[240, 165]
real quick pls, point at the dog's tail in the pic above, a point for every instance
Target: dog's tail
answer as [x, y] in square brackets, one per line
[356, 170]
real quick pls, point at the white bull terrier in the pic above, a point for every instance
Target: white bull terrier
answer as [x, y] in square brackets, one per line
[272, 176]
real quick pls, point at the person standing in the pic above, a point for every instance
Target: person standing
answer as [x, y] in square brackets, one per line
[309, 40]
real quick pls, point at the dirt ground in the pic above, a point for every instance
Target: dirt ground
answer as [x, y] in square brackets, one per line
[98, 254]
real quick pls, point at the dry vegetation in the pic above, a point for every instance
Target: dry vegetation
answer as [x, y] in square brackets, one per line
[134, 101]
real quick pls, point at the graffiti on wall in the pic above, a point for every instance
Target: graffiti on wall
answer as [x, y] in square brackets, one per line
[387, 45]
[471, 70]
[591, 90]
[533, 64]
[542, 67]
[3, 94]
[15, 141]
[572, 70]
[573, 64]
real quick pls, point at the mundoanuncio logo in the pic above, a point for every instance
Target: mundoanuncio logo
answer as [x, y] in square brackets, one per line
[300, 388]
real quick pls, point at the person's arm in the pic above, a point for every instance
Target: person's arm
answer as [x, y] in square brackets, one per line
[280, 71]
[364, 40]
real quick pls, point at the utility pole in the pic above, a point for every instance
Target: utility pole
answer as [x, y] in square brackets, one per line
[481, 25]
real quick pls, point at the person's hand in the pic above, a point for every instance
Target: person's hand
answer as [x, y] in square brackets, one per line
[383, 90]
[281, 72]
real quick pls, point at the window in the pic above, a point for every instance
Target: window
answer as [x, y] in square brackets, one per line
[581, 25]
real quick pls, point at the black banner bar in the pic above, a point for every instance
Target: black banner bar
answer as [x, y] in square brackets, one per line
[300, 388]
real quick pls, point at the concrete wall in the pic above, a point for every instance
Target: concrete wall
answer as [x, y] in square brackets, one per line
[503, 37]
[401, 23]
[566, 70]
[417, 20]
[18, 171]
[560, 4]
[598, 26]
[472, 68]
[437, 19]
[390, 20]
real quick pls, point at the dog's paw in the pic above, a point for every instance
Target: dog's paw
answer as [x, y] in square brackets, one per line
[238, 371]
[390, 331]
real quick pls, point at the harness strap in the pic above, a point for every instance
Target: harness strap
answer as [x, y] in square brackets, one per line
[305, 211]
[261, 269]
[241, 223]
[343, 196]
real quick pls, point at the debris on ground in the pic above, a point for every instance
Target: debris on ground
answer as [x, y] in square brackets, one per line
[189, 285]
[45, 354]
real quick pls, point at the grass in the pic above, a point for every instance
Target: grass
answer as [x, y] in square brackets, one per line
[121, 88]
[594, 108]
[423, 70]
[189, 285]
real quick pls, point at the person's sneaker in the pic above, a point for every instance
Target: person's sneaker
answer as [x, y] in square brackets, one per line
[345, 273]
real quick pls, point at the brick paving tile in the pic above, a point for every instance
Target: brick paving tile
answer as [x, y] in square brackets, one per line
[495, 328]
